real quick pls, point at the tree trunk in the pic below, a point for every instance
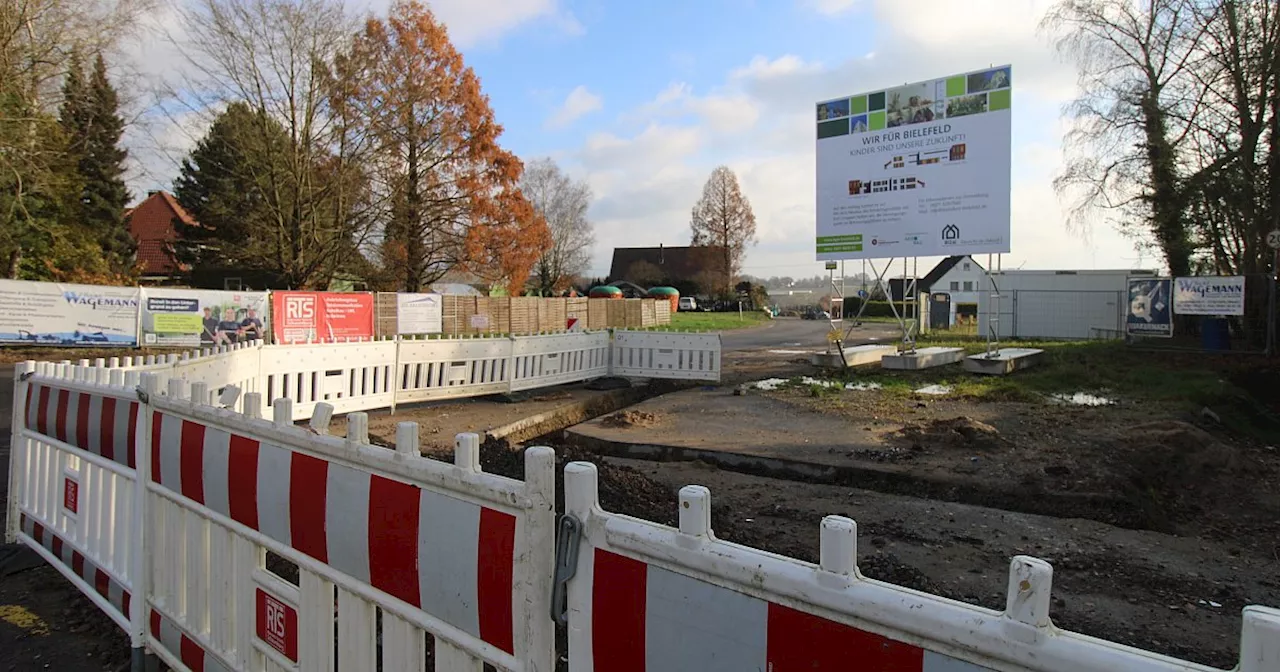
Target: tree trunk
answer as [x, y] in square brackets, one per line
[15, 260]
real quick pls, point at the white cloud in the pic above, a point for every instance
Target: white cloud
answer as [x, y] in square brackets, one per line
[759, 122]
[480, 22]
[580, 102]
[830, 7]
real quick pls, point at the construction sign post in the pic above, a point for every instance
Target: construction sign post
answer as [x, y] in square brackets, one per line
[917, 170]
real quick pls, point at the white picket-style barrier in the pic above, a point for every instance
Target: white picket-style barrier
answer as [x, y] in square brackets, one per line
[159, 489]
[658, 598]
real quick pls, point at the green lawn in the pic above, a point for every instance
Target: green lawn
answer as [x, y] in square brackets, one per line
[716, 321]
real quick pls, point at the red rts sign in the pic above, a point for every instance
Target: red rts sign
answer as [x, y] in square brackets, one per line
[278, 625]
[70, 494]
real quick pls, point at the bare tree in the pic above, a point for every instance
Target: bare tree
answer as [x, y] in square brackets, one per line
[1128, 151]
[723, 218]
[563, 202]
[276, 56]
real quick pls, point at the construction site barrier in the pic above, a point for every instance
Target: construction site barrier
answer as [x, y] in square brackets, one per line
[165, 499]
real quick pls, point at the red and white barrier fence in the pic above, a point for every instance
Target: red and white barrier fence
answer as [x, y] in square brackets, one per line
[646, 597]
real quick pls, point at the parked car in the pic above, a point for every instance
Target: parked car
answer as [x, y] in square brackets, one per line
[687, 303]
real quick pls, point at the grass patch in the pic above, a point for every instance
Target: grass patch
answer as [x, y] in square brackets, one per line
[717, 321]
[1108, 368]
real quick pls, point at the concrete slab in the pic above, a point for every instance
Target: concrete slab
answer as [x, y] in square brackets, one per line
[859, 355]
[1003, 362]
[922, 358]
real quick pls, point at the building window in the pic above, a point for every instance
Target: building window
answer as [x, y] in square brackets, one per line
[955, 286]
[966, 265]
[968, 285]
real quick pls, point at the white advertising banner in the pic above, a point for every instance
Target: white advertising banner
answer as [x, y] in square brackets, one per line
[1209, 295]
[48, 313]
[419, 313]
[202, 317]
[916, 171]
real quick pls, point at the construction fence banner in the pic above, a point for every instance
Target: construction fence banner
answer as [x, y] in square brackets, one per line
[299, 317]
[419, 313]
[47, 313]
[202, 317]
[1150, 311]
[1209, 295]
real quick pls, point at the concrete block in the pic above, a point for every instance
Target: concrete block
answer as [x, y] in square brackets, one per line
[1003, 362]
[922, 358]
[859, 355]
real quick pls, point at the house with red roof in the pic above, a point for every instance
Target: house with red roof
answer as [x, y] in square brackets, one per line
[151, 223]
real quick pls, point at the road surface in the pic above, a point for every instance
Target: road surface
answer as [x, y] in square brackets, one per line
[793, 333]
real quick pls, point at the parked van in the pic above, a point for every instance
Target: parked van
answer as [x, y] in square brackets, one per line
[688, 303]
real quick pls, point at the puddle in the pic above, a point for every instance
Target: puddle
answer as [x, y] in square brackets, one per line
[1084, 399]
[862, 387]
[769, 384]
[789, 352]
[936, 390]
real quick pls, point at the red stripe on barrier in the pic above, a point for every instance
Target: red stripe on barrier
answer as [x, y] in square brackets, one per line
[802, 642]
[57, 547]
[31, 395]
[82, 422]
[107, 427]
[393, 538]
[191, 462]
[101, 582]
[242, 481]
[192, 654]
[618, 612]
[125, 600]
[37, 533]
[157, 430]
[155, 624]
[60, 417]
[308, 485]
[131, 447]
[496, 553]
[77, 563]
[42, 411]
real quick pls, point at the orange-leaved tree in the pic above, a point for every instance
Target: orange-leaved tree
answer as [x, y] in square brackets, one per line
[449, 193]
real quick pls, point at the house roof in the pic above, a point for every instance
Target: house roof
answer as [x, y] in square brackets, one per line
[151, 225]
[676, 263]
[935, 274]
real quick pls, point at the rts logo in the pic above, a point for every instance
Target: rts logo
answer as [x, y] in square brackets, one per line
[950, 234]
[300, 307]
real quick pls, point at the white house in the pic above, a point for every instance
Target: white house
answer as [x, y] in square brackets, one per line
[953, 287]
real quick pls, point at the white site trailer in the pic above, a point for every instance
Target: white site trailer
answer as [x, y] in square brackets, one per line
[1058, 304]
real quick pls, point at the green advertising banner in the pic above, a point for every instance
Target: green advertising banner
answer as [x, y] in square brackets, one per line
[202, 317]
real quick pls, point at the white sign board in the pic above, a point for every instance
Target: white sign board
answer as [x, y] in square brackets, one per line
[419, 314]
[202, 317]
[917, 170]
[48, 313]
[1210, 295]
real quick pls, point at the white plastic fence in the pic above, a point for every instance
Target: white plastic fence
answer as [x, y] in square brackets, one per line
[398, 546]
[661, 354]
[645, 597]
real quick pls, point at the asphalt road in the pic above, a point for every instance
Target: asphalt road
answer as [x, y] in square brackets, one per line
[797, 334]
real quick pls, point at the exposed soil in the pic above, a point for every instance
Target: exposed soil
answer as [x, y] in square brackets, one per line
[632, 418]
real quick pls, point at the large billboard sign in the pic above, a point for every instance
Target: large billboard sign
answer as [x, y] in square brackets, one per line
[917, 170]
[200, 317]
[46, 313]
[300, 317]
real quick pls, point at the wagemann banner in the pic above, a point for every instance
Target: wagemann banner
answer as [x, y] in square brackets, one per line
[47, 313]
[198, 317]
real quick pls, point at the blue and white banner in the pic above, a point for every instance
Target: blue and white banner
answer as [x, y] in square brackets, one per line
[1209, 295]
[47, 313]
[1150, 310]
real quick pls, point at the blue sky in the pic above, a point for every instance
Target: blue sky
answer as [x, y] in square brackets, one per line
[642, 100]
